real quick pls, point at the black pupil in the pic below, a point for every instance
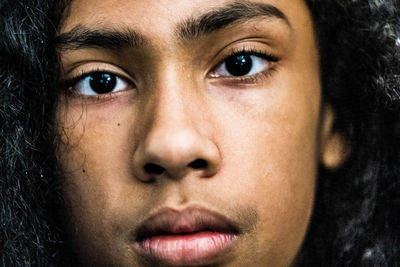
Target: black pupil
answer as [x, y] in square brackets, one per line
[239, 65]
[102, 83]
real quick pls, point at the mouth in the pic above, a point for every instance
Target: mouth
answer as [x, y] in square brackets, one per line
[191, 237]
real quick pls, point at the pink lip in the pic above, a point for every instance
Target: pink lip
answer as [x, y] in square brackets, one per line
[194, 236]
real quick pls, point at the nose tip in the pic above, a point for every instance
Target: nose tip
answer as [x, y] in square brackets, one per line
[176, 154]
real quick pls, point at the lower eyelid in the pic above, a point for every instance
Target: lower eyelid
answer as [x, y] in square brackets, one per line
[243, 81]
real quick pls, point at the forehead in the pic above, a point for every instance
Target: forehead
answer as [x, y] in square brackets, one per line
[163, 18]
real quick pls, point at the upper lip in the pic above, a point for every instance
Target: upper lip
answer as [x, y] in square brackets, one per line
[189, 220]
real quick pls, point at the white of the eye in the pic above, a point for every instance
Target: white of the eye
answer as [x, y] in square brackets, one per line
[83, 86]
[259, 64]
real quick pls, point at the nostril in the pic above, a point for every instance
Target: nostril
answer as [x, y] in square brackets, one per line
[198, 164]
[152, 168]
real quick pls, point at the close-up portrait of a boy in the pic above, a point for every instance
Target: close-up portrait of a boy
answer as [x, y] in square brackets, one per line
[199, 133]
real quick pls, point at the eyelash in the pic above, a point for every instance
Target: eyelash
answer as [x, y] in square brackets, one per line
[71, 82]
[254, 78]
[254, 52]
[245, 79]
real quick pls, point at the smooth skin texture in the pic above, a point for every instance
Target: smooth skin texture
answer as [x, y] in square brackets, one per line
[262, 134]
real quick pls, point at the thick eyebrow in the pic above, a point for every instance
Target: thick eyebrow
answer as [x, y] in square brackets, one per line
[192, 28]
[83, 37]
[236, 12]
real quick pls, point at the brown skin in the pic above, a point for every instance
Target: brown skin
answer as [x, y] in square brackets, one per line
[263, 137]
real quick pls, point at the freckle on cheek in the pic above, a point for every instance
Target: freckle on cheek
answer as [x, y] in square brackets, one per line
[83, 170]
[119, 124]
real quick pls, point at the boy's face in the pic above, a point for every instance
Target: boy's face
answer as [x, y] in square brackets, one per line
[195, 133]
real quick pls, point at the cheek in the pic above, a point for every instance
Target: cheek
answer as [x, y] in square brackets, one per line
[92, 152]
[279, 182]
[270, 163]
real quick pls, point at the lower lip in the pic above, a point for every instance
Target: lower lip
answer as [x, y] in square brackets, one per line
[187, 249]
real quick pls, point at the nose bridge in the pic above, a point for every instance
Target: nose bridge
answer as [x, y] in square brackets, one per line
[173, 102]
[174, 144]
[172, 133]
[170, 101]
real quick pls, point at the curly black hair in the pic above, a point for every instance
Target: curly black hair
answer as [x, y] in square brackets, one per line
[355, 219]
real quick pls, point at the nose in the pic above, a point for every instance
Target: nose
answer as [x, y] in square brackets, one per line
[175, 145]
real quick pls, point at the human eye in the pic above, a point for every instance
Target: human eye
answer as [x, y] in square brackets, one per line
[244, 64]
[99, 83]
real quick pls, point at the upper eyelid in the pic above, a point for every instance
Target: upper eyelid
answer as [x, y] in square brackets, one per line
[88, 73]
[252, 49]
[256, 53]
[82, 69]
[248, 51]
[77, 78]
[244, 46]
